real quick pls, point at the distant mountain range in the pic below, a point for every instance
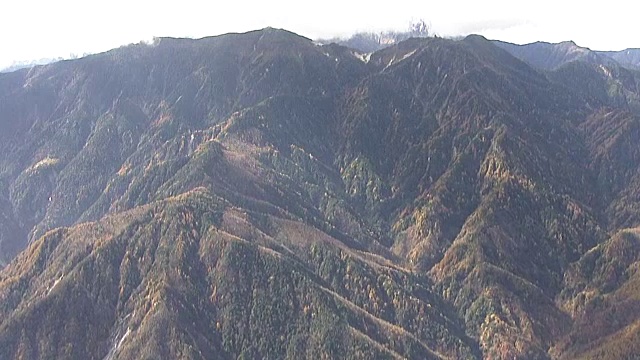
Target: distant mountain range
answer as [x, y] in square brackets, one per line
[28, 64]
[551, 56]
[542, 55]
[368, 42]
[261, 195]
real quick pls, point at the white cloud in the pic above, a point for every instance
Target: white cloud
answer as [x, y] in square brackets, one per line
[44, 28]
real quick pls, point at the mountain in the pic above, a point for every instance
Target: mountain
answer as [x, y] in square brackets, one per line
[628, 58]
[259, 195]
[17, 65]
[549, 56]
[369, 42]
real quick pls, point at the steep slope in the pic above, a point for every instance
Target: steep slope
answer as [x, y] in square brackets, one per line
[194, 277]
[270, 158]
[258, 195]
[506, 195]
[71, 126]
[602, 294]
[548, 56]
[629, 57]
[494, 196]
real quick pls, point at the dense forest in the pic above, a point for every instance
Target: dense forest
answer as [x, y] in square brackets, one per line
[261, 195]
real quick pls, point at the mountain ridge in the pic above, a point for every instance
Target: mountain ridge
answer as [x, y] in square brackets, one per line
[550, 56]
[241, 195]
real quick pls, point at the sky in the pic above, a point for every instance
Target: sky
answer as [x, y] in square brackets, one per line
[35, 29]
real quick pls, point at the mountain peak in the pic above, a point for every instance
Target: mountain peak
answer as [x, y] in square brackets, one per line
[475, 37]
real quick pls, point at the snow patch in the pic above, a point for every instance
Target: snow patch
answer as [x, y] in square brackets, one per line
[123, 338]
[605, 71]
[55, 283]
[116, 345]
[396, 60]
[362, 57]
[390, 63]
[407, 55]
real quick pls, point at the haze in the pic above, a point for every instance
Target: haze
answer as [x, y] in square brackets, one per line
[38, 29]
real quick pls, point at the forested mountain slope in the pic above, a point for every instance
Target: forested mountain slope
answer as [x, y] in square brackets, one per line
[261, 196]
